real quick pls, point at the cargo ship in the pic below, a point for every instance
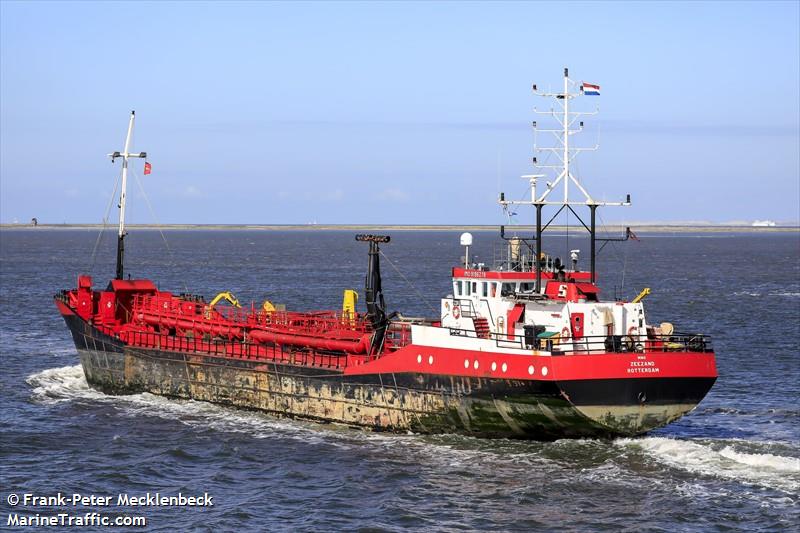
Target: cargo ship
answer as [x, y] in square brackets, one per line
[521, 348]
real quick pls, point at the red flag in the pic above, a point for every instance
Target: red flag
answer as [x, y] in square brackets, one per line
[147, 168]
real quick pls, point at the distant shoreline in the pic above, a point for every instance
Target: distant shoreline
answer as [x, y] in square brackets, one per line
[644, 228]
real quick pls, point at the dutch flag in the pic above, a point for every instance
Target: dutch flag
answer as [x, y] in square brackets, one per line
[590, 90]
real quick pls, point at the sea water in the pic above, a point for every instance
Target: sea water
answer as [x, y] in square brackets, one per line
[733, 463]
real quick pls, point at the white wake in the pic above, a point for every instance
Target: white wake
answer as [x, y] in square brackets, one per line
[68, 383]
[62, 384]
[722, 460]
[719, 459]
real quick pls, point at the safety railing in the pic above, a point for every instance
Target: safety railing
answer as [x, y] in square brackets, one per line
[190, 309]
[466, 307]
[314, 323]
[397, 336]
[62, 296]
[233, 349]
[598, 344]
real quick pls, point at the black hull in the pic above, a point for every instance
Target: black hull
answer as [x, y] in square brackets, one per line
[399, 402]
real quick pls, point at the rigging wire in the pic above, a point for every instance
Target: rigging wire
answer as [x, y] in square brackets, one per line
[620, 257]
[421, 296]
[624, 268]
[105, 222]
[172, 262]
[624, 256]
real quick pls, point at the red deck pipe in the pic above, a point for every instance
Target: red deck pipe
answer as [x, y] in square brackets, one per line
[355, 346]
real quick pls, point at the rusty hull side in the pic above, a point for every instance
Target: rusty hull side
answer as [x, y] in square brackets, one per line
[417, 402]
[399, 403]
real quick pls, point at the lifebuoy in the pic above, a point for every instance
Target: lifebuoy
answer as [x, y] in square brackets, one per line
[565, 335]
[456, 311]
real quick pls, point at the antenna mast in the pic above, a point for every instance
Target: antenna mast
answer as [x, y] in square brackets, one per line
[566, 120]
[124, 155]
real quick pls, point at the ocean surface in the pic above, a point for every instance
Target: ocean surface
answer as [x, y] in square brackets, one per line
[732, 464]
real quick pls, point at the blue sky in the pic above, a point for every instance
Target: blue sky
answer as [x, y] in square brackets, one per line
[408, 113]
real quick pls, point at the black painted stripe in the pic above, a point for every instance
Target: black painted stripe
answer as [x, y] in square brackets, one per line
[653, 391]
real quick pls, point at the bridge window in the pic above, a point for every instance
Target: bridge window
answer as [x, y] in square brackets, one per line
[459, 288]
[508, 288]
[494, 289]
[467, 285]
[485, 289]
[526, 287]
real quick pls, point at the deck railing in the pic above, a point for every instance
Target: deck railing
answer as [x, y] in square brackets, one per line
[398, 335]
[234, 349]
[598, 344]
[314, 322]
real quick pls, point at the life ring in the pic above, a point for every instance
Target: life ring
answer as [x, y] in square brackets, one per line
[456, 311]
[565, 335]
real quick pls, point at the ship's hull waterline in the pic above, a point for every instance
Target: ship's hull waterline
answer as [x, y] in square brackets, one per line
[396, 402]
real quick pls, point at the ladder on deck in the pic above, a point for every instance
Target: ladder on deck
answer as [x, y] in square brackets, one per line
[481, 327]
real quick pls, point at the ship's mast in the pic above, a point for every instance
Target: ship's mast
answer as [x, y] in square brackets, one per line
[565, 126]
[566, 120]
[124, 155]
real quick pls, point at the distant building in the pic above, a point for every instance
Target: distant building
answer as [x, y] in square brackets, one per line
[763, 224]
